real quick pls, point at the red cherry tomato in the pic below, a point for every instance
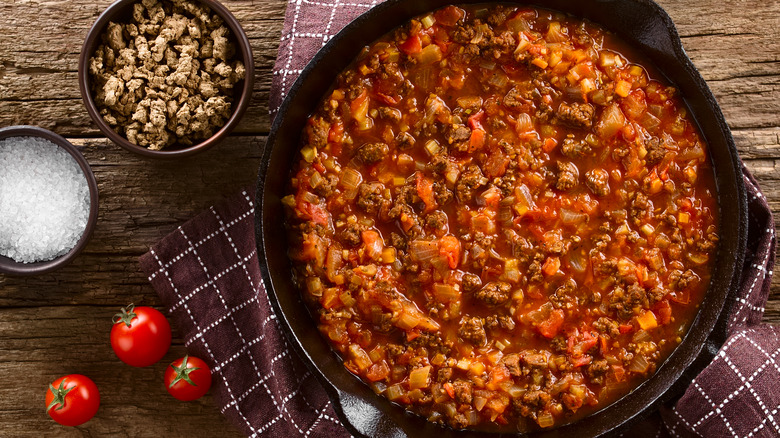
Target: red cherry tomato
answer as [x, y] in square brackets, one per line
[72, 400]
[140, 336]
[187, 378]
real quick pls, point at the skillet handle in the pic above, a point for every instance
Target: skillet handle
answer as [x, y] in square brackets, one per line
[364, 419]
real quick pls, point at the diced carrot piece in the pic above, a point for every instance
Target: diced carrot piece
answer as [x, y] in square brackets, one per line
[551, 266]
[549, 328]
[549, 144]
[412, 45]
[623, 88]
[425, 191]
[625, 328]
[539, 62]
[647, 320]
[449, 247]
[477, 139]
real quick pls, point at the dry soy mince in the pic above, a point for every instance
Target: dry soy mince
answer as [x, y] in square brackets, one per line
[167, 75]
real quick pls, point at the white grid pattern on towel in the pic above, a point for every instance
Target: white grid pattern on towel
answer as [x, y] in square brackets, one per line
[279, 401]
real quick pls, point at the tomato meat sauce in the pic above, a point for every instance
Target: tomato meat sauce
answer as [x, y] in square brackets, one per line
[500, 219]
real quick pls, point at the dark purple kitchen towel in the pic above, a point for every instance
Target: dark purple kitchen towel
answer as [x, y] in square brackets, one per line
[208, 277]
[207, 274]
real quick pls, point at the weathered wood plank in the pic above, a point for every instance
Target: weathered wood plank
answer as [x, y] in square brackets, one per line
[40, 42]
[137, 209]
[40, 344]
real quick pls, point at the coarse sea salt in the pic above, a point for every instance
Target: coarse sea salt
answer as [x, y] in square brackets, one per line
[44, 200]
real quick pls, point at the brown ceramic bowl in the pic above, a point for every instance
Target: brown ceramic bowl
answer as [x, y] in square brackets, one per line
[120, 11]
[11, 267]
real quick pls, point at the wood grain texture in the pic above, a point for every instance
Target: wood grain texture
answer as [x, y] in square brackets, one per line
[58, 323]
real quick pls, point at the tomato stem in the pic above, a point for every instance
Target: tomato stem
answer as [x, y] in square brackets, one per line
[183, 373]
[126, 316]
[59, 395]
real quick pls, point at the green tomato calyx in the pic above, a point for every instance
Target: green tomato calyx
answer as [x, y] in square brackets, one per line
[59, 395]
[125, 316]
[183, 373]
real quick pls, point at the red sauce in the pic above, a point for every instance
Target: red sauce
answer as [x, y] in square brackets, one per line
[500, 220]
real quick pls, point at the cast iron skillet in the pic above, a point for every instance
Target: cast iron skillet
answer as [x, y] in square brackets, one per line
[646, 27]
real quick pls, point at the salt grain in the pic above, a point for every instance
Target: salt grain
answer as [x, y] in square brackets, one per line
[44, 200]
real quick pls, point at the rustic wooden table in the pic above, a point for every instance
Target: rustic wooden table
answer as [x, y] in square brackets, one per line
[57, 324]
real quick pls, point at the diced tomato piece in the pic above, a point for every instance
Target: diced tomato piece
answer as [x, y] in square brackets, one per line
[581, 360]
[316, 212]
[390, 100]
[378, 371]
[449, 16]
[496, 164]
[663, 310]
[620, 372]
[475, 120]
[336, 132]
[449, 248]
[550, 327]
[551, 266]
[355, 105]
[477, 139]
[412, 45]
[549, 144]
[425, 191]
[625, 328]
[450, 389]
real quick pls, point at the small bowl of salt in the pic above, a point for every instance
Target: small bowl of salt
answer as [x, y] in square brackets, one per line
[48, 201]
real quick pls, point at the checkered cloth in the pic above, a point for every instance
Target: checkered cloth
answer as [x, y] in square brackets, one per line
[207, 276]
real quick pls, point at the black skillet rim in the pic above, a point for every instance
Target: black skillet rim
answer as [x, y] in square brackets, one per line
[692, 361]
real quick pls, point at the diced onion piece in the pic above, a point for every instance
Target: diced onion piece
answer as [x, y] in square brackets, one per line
[511, 270]
[524, 198]
[463, 364]
[429, 54]
[518, 24]
[360, 357]
[346, 299]
[350, 178]
[309, 153]
[408, 321]
[315, 179]
[611, 122]
[578, 261]
[647, 229]
[394, 392]
[570, 217]
[639, 364]
[424, 250]
[289, 200]
[314, 286]
[698, 259]
[477, 368]
[310, 197]
[555, 34]
[432, 147]
[418, 377]
[428, 21]
[545, 419]
[641, 336]
[524, 123]
[445, 292]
